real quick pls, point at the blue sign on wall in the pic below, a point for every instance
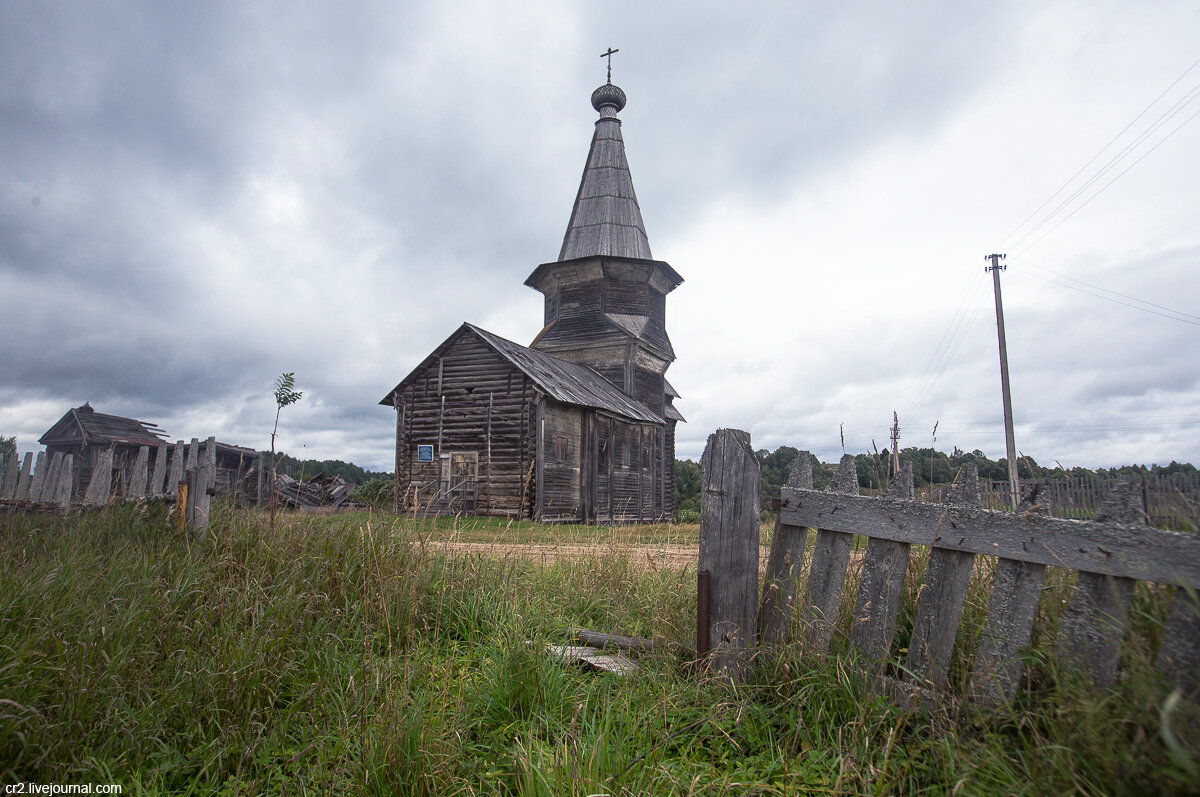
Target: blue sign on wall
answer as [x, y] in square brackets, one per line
[424, 453]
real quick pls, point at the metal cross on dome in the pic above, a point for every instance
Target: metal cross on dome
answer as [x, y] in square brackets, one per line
[609, 56]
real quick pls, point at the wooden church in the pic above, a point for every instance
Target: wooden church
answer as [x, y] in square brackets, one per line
[580, 425]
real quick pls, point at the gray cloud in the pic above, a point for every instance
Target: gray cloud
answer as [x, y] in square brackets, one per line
[195, 199]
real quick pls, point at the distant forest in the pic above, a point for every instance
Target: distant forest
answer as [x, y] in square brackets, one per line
[929, 465]
[307, 468]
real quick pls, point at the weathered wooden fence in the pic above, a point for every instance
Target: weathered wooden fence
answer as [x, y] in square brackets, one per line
[1109, 553]
[188, 477]
[1169, 501]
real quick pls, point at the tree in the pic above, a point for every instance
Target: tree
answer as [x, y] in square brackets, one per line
[8, 445]
[687, 486]
[285, 395]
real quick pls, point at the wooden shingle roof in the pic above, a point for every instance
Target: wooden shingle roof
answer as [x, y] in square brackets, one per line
[606, 219]
[560, 380]
[86, 426]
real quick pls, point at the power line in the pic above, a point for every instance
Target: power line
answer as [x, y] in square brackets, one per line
[1110, 182]
[1185, 320]
[1100, 152]
[956, 331]
[1111, 293]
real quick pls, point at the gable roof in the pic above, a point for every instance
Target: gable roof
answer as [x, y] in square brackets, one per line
[606, 219]
[86, 426]
[562, 381]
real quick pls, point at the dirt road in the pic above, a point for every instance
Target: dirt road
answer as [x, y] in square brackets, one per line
[650, 556]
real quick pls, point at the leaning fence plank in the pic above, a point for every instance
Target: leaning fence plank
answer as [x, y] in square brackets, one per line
[784, 564]
[137, 480]
[66, 481]
[1179, 652]
[193, 455]
[1016, 589]
[729, 547]
[50, 486]
[9, 488]
[940, 605]
[882, 585]
[1094, 622]
[38, 480]
[24, 480]
[160, 471]
[101, 483]
[176, 469]
[827, 572]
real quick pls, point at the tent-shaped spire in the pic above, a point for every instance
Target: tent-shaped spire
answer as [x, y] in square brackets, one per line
[606, 219]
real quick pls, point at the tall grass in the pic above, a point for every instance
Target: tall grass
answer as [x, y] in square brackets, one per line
[346, 655]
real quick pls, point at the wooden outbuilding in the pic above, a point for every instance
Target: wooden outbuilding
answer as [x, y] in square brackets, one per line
[580, 425]
[85, 434]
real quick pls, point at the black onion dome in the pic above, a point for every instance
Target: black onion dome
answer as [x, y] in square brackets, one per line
[608, 94]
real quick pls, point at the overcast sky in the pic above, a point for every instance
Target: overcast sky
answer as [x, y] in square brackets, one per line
[195, 198]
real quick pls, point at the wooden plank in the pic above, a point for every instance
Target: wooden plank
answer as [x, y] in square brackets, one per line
[66, 481]
[596, 639]
[50, 486]
[26, 477]
[729, 547]
[940, 604]
[1016, 589]
[827, 572]
[139, 477]
[1094, 622]
[176, 469]
[192, 461]
[1125, 550]
[38, 479]
[9, 487]
[159, 476]
[1179, 653]
[593, 658]
[782, 578]
[101, 483]
[1011, 611]
[884, 566]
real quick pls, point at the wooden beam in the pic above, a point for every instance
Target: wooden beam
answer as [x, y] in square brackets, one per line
[1106, 548]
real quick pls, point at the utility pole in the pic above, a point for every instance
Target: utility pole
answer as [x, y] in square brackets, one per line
[895, 463]
[1009, 441]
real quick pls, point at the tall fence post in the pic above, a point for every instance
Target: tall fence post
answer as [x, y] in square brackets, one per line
[201, 481]
[9, 488]
[729, 517]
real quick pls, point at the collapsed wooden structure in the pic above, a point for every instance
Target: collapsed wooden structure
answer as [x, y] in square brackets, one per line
[580, 425]
[89, 452]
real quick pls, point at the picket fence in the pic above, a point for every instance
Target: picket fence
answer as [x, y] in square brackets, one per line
[1110, 553]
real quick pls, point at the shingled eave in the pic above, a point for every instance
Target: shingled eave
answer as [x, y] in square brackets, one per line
[674, 280]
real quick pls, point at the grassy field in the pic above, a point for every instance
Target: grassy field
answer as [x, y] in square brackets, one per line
[343, 654]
